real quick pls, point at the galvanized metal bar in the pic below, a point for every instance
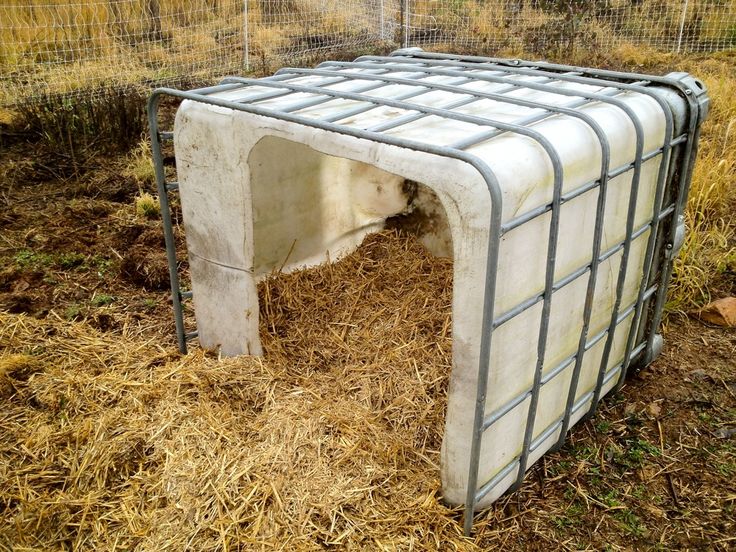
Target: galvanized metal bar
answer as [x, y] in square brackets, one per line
[163, 196]
[686, 170]
[554, 226]
[549, 430]
[500, 412]
[569, 278]
[494, 237]
[590, 290]
[406, 96]
[572, 194]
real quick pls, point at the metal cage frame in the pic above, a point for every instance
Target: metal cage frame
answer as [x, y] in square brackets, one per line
[665, 225]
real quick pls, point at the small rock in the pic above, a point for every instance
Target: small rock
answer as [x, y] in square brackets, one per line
[725, 432]
[698, 374]
[655, 409]
[721, 312]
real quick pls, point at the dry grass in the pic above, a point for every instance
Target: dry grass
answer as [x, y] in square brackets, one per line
[707, 261]
[331, 440]
[112, 442]
[59, 47]
[709, 252]
[139, 166]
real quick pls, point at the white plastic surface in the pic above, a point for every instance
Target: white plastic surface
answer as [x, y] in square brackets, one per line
[260, 193]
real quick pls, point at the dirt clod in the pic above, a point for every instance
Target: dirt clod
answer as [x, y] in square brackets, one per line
[145, 266]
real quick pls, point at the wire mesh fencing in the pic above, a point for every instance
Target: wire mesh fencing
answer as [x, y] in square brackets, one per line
[62, 47]
[57, 46]
[541, 25]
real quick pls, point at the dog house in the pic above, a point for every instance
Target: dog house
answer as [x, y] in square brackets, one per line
[558, 192]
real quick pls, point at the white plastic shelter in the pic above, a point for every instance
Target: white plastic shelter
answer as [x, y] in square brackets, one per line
[557, 191]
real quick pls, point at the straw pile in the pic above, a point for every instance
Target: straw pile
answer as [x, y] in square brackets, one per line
[331, 440]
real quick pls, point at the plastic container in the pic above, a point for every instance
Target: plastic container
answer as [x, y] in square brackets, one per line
[558, 192]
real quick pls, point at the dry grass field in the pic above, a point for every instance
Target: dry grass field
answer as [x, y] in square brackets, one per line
[110, 440]
[52, 47]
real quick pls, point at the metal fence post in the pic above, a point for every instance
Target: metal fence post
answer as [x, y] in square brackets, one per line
[682, 26]
[382, 27]
[404, 23]
[245, 36]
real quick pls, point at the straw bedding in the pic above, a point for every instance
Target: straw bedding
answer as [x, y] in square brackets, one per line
[330, 440]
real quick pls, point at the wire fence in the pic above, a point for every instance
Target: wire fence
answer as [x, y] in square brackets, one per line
[56, 47]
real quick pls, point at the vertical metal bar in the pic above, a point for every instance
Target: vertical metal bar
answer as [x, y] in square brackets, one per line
[590, 290]
[158, 164]
[682, 26]
[633, 196]
[489, 296]
[405, 15]
[246, 47]
[685, 178]
[664, 168]
[549, 281]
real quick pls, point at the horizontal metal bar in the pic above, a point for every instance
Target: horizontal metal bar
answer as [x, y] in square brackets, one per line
[411, 117]
[549, 430]
[577, 273]
[186, 294]
[191, 335]
[572, 194]
[500, 64]
[621, 317]
[172, 186]
[408, 106]
[365, 108]
[500, 412]
[488, 487]
[507, 407]
[166, 135]
[544, 435]
[550, 109]
[313, 102]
